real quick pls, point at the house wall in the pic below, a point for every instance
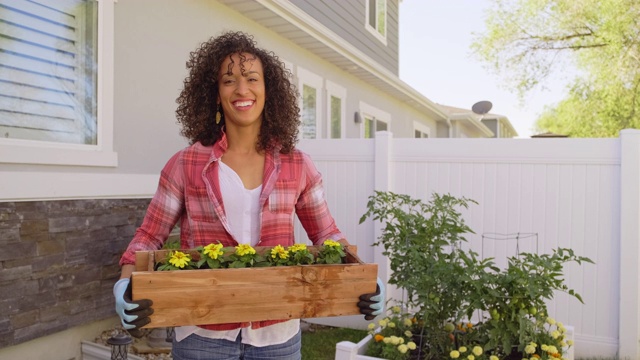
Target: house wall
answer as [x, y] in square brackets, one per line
[347, 19]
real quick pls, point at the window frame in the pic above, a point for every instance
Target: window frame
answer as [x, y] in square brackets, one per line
[367, 110]
[424, 129]
[335, 90]
[22, 151]
[306, 77]
[374, 30]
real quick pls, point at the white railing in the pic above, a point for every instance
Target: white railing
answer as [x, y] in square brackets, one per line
[578, 193]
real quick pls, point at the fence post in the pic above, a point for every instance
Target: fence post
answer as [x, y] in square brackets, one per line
[383, 181]
[629, 316]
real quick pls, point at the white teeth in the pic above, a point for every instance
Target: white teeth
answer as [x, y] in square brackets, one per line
[244, 103]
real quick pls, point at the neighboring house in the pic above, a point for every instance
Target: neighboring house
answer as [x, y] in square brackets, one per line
[87, 102]
[465, 122]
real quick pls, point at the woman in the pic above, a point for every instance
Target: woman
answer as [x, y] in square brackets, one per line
[239, 182]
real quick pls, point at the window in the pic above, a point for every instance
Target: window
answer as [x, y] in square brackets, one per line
[336, 109]
[50, 95]
[310, 84]
[377, 18]
[373, 120]
[420, 130]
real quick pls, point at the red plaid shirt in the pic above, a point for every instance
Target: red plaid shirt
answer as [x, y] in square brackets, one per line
[189, 192]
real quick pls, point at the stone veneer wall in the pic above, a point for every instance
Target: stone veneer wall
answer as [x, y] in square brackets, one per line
[59, 261]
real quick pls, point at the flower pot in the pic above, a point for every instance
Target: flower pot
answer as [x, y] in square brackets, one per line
[214, 296]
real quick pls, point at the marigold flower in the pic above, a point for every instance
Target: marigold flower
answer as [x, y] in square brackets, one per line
[493, 357]
[454, 354]
[245, 249]
[477, 350]
[386, 340]
[535, 356]
[462, 349]
[179, 259]
[469, 325]
[213, 251]
[544, 347]
[552, 349]
[471, 357]
[278, 251]
[408, 333]
[371, 326]
[395, 340]
[403, 348]
[391, 324]
[396, 309]
[407, 322]
[378, 338]
[383, 322]
[331, 243]
[555, 334]
[411, 345]
[570, 342]
[529, 349]
[551, 321]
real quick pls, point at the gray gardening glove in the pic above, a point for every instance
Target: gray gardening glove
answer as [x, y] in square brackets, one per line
[133, 314]
[371, 305]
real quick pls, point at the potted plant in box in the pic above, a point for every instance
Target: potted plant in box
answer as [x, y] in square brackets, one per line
[458, 305]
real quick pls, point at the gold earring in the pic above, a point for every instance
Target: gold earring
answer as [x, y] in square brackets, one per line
[218, 115]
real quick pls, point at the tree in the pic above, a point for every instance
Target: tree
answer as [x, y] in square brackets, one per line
[527, 41]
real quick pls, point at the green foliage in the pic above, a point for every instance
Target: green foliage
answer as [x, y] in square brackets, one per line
[447, 285]
[331, 252]
[528, 41]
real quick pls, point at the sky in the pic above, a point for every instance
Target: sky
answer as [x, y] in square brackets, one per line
[436, 60]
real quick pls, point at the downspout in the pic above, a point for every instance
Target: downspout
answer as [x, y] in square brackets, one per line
[450, 127]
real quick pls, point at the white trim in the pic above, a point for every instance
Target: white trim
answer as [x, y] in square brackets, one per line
[422, 128]
[333, 89]
[373, 30]
[367, 110]
[306, 77]
[102, 154]
[30, 186]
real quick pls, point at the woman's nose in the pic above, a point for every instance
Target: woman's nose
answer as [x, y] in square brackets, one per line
[243, 86]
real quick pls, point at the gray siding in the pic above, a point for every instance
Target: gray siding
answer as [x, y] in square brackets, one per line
[347, 19]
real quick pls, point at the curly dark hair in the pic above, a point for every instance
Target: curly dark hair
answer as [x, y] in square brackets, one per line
[197, 101]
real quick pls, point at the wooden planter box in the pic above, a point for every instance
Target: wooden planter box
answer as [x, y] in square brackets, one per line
[214, 296]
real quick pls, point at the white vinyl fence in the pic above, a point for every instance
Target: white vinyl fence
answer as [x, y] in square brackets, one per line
[582, 194]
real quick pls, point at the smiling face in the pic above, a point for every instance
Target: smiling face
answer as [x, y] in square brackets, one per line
[242, 90]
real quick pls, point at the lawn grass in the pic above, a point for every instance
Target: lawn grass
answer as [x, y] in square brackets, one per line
[319, 342]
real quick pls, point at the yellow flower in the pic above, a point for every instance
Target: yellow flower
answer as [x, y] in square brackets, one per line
[395, 340]
[407, 322]
[529, 349]
[245, 249]
[371, 326]
[411, 345]
[179, 259]
[213, 251]
[555, 334]
[552, 350]
[570, 342]
[298, 247]
[551, 321]
[383, 322]
[391, 324]
[403, 348]
[408, 333]
[462, 349]
[396, 309]
[544, 347]
[471, 357]
[477, 350]
[279, 252]
[386, 340]
[493, 357]
[331, 243]
[454, 354]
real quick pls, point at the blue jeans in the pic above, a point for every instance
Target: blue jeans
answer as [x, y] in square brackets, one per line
[195, 347]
